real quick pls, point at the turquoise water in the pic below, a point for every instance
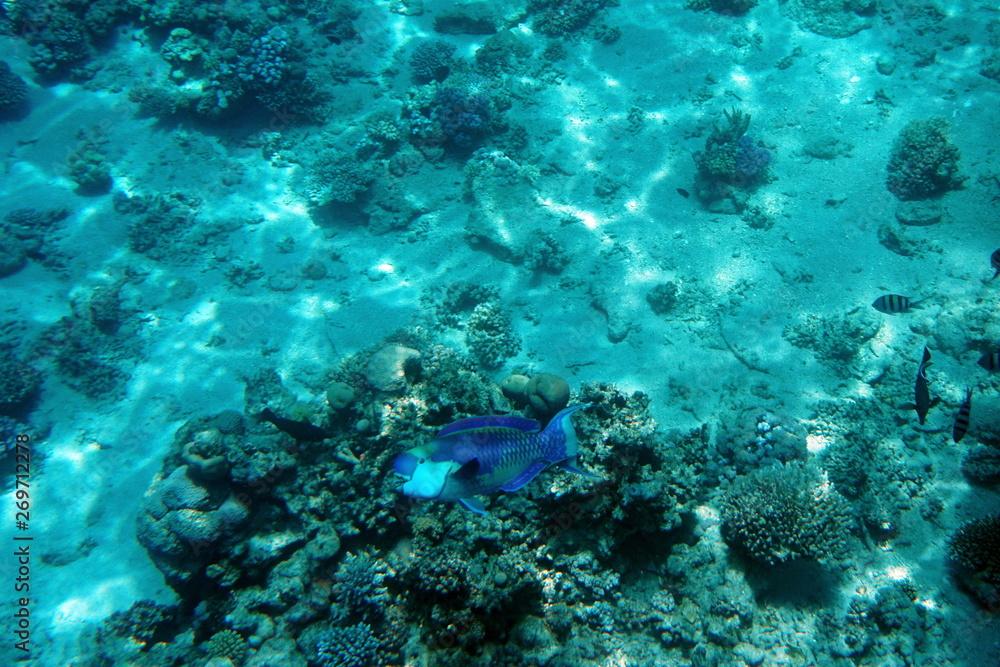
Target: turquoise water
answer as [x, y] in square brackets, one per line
[252, 254]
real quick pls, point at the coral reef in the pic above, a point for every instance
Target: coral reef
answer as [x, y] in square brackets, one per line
[785, 513]
[184, 525]
[662, 297]
[14, 101]
[544, 393]
[431, 60]
[145, 623]
[347, 646]
[834, 339]
[923, 163]
[756, 439]
[831, 18]
[228, 645]
[86, 359]
[19, 385]
[88, 164]
[161, 223]
[464, 117]
[470, 18]
[359, 585]
[974, 551]
[731, 165]
[561, 18]
[736, 7]
[981, 465]
[489, 335]
[31, 234]
[338, 179]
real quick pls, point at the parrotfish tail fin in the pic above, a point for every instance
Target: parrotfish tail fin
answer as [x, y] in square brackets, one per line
[562, 423]
[927, 357]
[473, 505]
[569, 465]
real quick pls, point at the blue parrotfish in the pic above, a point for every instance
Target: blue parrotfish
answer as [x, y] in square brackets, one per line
[480, 456]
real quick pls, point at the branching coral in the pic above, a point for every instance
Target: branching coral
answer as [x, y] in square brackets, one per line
[431, 60]
[464, 116]
[974, 551]
[490, 336]
[785, 513]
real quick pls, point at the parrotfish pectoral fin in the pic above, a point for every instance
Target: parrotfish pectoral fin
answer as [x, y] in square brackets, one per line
[526, 476]
[472, 505]
[569, 465]
[468, 470]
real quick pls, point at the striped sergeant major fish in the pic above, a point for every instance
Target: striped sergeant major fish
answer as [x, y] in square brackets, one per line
[990, 360]
[995, 262]
[922, 402]
[890, 304]
[483, 455]
[962, 417]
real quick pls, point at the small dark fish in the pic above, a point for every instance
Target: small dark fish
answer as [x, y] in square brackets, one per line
[990, 360]
[684, 193]
[300, 430]
[995, 262]
[922, 402]
[890, 304]
[962, 418]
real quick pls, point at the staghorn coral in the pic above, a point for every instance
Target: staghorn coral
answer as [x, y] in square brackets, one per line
[785, 513]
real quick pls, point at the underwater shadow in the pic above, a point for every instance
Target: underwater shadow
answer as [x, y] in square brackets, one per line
[799, 584]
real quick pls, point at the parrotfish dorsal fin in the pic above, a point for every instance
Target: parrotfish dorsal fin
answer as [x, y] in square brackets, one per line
[493, 421]
[468, 470]
[526, 476]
